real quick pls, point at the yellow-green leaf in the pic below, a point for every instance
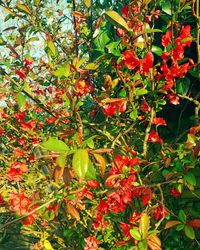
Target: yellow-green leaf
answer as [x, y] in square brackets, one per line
[21, 100]
[116, 19]
[144, 225]
[91, 66]
[135, 234]
[61, 160]
[87, 3]
[55, 145]
[80, 162]
[189, 232]
[47, 245]
[52, 48]
[23, 8]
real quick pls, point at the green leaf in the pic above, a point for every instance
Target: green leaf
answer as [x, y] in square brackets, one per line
[180, 227]
[80, 162]
[61, 160]
[113, 48]
[142, 245]
[166, 7]
[23, 8]
[91, 172]
[117, 20]
[134, 114]
[135, 234]
[182, 216]
[144, 225]
[152, 31]
[182, 86]
[52, 48]
[55, 145]
[189, 232]
[157, 50]
[63, 70]
[140, 91]
[190, 178]
[21, 100]
[87, 3]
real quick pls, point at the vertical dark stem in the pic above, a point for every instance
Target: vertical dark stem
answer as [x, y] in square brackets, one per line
[75, 30]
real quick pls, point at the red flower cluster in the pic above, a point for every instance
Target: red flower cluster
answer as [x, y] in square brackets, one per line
[112, 106]
[175, 55]
[82, 88]
[154, 137]
[124, 191]
[91, 243]
[17, 169]
[132, 62]
[22, 204]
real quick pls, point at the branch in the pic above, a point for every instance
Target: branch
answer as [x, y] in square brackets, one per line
[147, 133]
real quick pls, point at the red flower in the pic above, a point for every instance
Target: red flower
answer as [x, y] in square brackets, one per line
[126, 229]
[130, 60]
[82, 88]
[174, 192]
[154, 137]
[91, 243]
[28, 62]
[173, 99]
[185, 35]
[125, 11]
[166, 39]
[92, 183]
[16, 171]
[146, 63]
[121, 32]
[14, 174]
[111, 106]
[21, 74]
[160, 212]
[18, 152]
[145, 106]
[159, 121]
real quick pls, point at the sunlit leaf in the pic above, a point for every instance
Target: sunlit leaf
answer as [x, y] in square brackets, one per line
[116, 19]
[21, 100]
[80, 162]
[144, 225]
[189, 232]
[135, 234]
[91, 172]
[55, 145]
[61, 160]
[23, 8]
